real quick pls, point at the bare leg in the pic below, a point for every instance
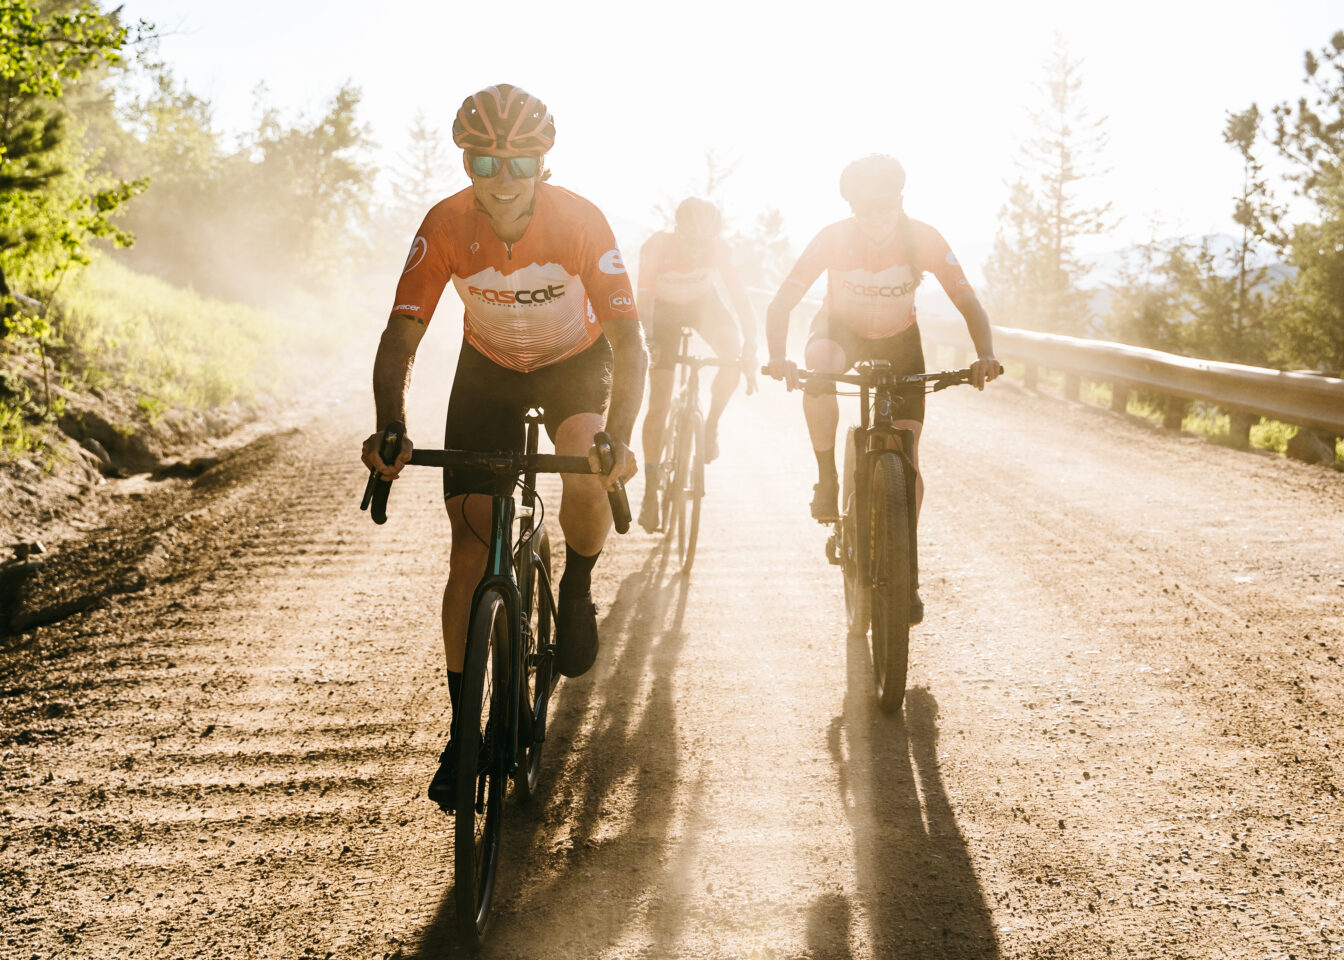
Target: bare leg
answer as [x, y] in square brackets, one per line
[466, 566]
[823, 412]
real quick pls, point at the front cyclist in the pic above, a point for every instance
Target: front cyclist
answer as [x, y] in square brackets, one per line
[873, 263]
[550, 321]
[677, 269]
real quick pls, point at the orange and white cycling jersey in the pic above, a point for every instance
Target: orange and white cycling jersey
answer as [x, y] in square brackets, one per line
[530, 305]
[671, 277]
[869, 288]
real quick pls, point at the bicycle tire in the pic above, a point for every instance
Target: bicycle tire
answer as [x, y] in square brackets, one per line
[691, 460]
[538, 667]
[481, 776]
[667, 470]
[890, 566]
[858, 593]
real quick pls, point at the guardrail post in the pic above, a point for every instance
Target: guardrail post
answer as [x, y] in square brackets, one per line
[1072, 383]
[1239, 427]
[1174, 413]
[1029, 376]
[1119, 397]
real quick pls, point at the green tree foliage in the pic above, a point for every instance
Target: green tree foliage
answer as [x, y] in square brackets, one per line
[288, 206]
[1035, 274]
[1309, 134]
[53, 197]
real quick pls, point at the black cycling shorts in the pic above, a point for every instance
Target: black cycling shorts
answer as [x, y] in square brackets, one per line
[704, 315]
[904, 351]
[488, 403]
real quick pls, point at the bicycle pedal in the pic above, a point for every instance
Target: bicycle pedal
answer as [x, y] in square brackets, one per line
[833, 551]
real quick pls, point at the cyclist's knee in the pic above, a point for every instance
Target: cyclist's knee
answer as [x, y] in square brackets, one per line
[825, 356]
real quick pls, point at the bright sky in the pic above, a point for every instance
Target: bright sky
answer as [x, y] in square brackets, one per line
[640, 92]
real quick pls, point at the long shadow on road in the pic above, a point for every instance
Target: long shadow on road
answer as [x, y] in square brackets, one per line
[917, 890]
[573, 864]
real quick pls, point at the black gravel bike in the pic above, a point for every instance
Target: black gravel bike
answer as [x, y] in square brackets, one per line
[875, 542]
[508, 675]
[681, 467]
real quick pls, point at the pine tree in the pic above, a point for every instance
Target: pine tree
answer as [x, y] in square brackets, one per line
[1035, 273]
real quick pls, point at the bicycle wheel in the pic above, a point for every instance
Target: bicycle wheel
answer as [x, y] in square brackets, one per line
[667, 472]
[538, 666]
[858, 593]
[690, 486]
[481, 776]
[889, 562]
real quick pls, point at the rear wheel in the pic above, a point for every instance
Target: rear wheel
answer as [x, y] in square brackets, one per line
[690, 486]
[890, 566]
[481, 776]
[538, 666]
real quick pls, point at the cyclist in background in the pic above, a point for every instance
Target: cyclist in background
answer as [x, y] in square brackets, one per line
[677, 269]
[550, 321]
[873, 263]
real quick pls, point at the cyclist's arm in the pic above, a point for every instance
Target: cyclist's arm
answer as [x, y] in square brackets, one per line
[391, 379]
[777, 318]
[628, 366]
[791, 292]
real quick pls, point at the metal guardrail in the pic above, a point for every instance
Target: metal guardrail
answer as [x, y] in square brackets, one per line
[1302, 399]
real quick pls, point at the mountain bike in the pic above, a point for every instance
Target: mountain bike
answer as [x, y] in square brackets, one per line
[508, 675]
[874, 542]
[681, 466]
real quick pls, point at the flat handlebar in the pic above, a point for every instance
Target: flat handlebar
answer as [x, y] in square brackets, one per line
[377, 489]
[873, 378]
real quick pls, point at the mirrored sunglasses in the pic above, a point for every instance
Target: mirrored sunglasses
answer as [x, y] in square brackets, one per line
[485, 166]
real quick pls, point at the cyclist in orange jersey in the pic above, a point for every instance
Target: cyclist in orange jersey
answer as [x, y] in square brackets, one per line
[550, 321]
[873, 263]
[677, 270]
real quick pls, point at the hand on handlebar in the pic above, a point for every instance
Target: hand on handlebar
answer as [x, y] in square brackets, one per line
[373, 461]
[785, 370]
[984, 370]
[626, 465]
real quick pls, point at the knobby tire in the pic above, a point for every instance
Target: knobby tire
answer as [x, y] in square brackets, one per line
[481, 776]
[890, 566]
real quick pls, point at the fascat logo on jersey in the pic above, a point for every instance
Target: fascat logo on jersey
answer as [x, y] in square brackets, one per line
[622, 302]
[863, 290]
[611, 262]
[418, 250]
[514, 297]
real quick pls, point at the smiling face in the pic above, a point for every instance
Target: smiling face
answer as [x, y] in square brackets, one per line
[505, 196]
[877, 216]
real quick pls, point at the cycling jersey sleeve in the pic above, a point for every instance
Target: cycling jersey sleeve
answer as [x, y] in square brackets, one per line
[603, 272]
[426, 273]
[935, 256]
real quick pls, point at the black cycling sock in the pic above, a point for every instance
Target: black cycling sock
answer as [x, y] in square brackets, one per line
[578, 573]
[825, 463]
[454, 691]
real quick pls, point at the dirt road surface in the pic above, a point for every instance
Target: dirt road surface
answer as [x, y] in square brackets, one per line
[1122, 737]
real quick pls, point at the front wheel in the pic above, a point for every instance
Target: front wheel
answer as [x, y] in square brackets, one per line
[481, 776]
[689, 486]
[538, 665]
[891, 568]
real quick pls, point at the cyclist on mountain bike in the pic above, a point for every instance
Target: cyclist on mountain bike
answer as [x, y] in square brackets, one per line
[550, 321]
[873, 262]
[676, 289]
